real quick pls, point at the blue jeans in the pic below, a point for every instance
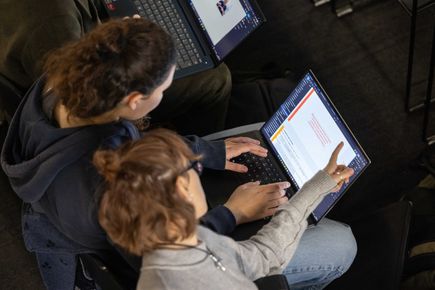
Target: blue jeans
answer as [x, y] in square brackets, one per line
[324, 253]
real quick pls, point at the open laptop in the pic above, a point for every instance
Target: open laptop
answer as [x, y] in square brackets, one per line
[300, 136]
[204, 31]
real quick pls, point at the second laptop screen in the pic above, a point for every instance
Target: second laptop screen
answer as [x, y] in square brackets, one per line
[225, 23]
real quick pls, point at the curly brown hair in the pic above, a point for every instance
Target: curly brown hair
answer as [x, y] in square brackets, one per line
[140, 208]
[92, 75]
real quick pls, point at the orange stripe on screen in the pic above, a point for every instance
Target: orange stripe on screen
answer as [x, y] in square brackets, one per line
[310, 92]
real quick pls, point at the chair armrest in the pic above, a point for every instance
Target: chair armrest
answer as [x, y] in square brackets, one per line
[273, 282]
[233, 131]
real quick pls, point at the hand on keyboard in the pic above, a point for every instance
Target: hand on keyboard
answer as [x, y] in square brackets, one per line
[135, 16]
[238, 145]
[252, 201]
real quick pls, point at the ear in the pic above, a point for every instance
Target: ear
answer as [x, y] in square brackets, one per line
[132, 99]
[182, 187]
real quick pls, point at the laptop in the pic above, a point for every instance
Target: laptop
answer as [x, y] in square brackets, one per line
[300, 137]
[205, 32]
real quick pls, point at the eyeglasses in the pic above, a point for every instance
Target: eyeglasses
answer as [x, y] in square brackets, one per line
[195, 165]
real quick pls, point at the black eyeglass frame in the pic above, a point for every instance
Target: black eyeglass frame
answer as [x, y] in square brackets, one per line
[195, 165]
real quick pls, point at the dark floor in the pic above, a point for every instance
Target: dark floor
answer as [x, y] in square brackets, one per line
[361, 61]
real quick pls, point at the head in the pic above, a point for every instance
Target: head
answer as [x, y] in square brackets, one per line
[121, 64]
[153, 193]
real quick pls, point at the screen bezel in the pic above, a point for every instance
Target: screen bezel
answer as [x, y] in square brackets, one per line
[205, 39]
[312, 218]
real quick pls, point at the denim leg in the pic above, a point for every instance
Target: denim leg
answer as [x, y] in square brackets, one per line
[324, 253]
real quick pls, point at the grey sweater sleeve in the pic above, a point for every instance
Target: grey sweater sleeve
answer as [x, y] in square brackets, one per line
[269, 251]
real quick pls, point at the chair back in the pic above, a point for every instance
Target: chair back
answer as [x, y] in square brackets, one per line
[100, 273]
[10, 97]
[273, 282]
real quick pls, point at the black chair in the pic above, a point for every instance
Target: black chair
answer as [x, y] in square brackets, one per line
[382, 238]
[10, 97]
[100, 273]
[413, 8]
[274, 282]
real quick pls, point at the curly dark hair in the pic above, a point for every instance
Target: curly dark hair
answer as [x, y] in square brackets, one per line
[140, 208]
[92, 75]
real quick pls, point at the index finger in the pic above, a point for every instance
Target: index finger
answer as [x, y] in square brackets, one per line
[347, 173]
[334, 155]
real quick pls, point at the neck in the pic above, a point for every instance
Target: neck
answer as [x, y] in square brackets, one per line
[191, 241]
[65, 120]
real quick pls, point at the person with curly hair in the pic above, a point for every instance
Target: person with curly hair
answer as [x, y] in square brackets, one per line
[195, 104]
[90, 95]
[160, 173]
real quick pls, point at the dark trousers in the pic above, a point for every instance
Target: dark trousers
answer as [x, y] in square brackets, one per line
[196, 104]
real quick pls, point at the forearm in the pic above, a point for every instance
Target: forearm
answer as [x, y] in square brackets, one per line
[274, 245]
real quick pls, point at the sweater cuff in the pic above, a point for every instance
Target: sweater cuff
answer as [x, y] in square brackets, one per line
[220, 220]
[213, 152]
[314, 190]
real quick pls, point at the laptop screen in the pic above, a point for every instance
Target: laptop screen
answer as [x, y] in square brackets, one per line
[303, 134]
[225, 22]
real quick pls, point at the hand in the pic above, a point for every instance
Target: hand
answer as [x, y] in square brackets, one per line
[238, 145]
[134, 16]
[340, 173]
[252, 201]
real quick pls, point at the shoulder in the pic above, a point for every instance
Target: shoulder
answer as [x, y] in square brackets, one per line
[214, 240]
[118, 133]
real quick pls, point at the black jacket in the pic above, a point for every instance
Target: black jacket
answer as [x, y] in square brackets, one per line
[50, 168]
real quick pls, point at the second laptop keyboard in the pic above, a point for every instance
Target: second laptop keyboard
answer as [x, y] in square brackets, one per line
[164, 13]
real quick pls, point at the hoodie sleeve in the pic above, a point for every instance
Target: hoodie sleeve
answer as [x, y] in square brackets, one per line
[220, 220]
[213, 152]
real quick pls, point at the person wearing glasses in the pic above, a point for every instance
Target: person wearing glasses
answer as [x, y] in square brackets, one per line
[160, 173]
[90, 95]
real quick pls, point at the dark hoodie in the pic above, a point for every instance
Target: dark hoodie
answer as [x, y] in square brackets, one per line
[50, 168]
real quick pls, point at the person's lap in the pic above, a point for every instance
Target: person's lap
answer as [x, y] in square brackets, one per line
[197, 104]
[324, 253]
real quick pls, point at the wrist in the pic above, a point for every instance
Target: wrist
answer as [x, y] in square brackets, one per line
[236, 214]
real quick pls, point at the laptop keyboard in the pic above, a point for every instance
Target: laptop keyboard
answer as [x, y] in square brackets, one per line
[164, 13]
[261, 169]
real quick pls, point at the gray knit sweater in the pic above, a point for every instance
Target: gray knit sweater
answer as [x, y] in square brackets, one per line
[266, 253]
